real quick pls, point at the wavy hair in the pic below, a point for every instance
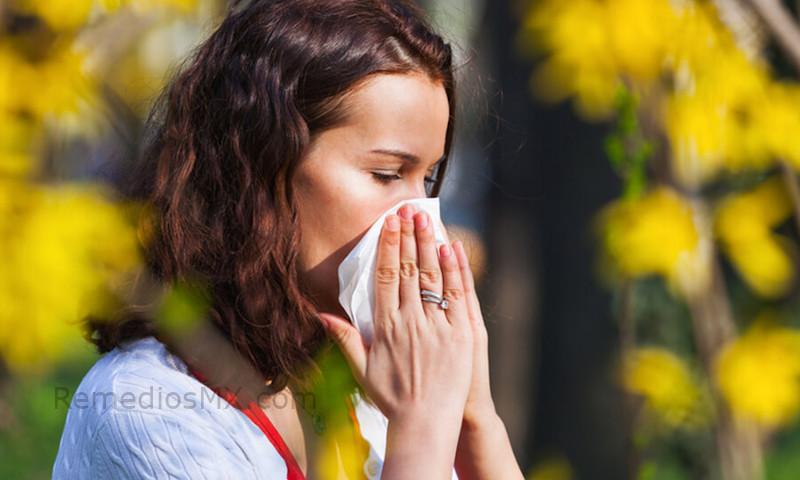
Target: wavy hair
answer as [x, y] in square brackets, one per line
[229, 135]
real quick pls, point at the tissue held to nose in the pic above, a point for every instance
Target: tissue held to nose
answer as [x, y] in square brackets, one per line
[357, 270]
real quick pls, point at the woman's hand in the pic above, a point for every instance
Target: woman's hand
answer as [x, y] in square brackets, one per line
[484, 450]
[418, 369]
[479, 405]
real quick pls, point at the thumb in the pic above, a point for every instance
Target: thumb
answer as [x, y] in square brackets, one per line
[349, 341]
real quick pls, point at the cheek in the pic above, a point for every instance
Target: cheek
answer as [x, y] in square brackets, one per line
[335, 211]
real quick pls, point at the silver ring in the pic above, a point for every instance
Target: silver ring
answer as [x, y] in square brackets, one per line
[433, 297]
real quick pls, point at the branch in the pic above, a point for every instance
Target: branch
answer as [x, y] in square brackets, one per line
[779, 21]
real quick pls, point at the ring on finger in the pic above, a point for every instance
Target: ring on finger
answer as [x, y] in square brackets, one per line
[433, 297]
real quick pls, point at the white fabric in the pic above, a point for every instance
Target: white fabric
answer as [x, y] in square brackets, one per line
[138, 414]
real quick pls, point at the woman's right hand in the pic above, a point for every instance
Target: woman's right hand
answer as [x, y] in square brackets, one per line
[419, 366]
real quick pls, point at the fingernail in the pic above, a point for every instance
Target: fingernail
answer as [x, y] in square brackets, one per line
[407, 212]
[445, 251]
[392, 223]
[421, 221]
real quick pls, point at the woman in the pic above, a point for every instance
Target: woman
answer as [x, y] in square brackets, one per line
[296, 125]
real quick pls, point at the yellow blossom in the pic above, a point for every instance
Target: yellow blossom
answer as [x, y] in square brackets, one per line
[62, 247]
[17, 142]
[593, 43]
[655, 234]
[666, 384]
[579, 64]
[759, 374]
[57, 84]
[711, 121]
[744, 225]
[778, 121]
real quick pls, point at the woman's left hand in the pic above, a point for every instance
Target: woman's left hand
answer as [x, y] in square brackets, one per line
[484, 450]
[480, 405]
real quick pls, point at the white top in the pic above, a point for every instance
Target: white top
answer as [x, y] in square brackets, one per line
[139, 414]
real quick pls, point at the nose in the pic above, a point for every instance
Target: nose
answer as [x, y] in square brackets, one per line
[411, 190]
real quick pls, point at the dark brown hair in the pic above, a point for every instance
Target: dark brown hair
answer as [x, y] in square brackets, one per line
[231, 131]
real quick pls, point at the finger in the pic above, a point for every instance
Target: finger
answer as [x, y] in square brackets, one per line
[409, 274]
[471, 296]
[468, 281]
[430, 273]
[387, 268]
[349, 341]
[457, 312]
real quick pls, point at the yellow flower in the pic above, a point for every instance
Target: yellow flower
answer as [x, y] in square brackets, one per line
[777, 119]
[759, 374]
[743, 225]
[57, 84]
[655, 234]
[593, 43]
[711, 121]
[580, 64]
[17, 141]
[664, 381]
[61, 248]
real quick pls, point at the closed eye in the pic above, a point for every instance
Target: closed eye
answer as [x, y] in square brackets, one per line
[385, 177]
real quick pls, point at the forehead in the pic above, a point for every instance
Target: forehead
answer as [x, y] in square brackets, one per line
[403, 111]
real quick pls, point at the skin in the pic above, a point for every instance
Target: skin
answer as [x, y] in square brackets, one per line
[341, 185]
[427, 368]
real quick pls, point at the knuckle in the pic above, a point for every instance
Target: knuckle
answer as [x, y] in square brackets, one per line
[392, 239]
[448, 265]
[386, 275]
[408, 269]
[453, 294]
[429, 275]
[342, 336]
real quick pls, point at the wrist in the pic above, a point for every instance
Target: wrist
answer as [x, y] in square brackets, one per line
[480, 417]
[421, 446]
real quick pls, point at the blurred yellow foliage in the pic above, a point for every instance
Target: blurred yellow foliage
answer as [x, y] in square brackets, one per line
[557, 468]
[743, 225]
[59, 14]
[69, 15]
[759, 374]
[62, 248]
[655, 234]
[666, 384]
[56, 84]
[339, 456]
[146, 5]
[593, 42]
[720, 109]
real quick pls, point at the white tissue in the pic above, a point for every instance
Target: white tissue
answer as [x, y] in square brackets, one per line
[357, 270]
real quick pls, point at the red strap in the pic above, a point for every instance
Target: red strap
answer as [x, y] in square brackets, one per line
[254, 413]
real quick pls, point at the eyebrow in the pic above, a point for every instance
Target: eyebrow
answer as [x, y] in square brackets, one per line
[408, 157]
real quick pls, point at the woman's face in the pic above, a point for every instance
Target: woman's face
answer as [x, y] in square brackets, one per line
[382, 154]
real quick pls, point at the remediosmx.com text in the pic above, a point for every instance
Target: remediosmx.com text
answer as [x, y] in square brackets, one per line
[156, 398]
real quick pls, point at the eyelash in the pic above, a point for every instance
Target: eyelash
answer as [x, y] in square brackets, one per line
[385, 178]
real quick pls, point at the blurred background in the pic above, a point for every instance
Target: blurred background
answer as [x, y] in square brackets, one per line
[625, 177]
